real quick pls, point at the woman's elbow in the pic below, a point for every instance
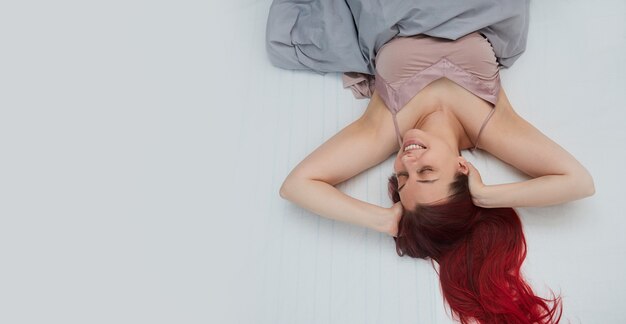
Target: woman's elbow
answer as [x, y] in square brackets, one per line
[288, 188]
[586, 184]
[591, 187]
[284, 189]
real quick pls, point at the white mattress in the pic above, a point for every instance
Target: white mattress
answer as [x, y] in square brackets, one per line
[142, 146]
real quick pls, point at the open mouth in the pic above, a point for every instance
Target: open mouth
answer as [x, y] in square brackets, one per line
[413, 146]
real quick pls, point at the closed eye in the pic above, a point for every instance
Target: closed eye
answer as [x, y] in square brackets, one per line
[424, 170]
[421, 171]
[402, 174]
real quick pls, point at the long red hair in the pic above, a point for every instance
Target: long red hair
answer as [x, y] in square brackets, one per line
[480, 252]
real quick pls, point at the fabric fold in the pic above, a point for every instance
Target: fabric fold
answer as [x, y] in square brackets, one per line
[361, 84]
[345, 36]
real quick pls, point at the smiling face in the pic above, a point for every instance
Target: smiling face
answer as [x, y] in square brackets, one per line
[425, 167]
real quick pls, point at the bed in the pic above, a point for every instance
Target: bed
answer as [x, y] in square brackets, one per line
[143, 146]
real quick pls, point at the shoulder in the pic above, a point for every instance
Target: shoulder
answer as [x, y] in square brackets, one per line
[504, 123]
[376, 115]
[512, 139]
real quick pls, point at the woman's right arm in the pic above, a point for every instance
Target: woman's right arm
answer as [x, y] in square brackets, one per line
[359, 146]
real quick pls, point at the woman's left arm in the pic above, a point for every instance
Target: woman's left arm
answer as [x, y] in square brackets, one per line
[557, 177]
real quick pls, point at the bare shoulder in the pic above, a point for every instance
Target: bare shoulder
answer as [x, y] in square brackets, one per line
[515, 141]
[378, 121]
[376, 115]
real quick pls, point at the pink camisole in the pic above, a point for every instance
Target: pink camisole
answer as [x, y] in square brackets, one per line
[405, 65]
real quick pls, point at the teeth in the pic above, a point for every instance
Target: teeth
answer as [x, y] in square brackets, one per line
[413, 147]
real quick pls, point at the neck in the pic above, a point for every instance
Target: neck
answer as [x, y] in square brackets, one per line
[444, 124]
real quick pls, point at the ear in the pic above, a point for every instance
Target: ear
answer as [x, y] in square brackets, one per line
[462, 168]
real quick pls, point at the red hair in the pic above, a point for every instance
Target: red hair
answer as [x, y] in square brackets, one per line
[480, 252]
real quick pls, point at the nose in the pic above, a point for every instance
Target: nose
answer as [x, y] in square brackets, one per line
[408, 158]
[409, 161]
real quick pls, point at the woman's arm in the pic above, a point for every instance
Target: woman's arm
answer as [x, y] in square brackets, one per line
[361, 145]
[557, 176]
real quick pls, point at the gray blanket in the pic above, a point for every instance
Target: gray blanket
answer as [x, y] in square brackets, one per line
[345, 35]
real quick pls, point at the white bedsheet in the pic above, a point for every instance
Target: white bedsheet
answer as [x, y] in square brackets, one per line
[142, 146]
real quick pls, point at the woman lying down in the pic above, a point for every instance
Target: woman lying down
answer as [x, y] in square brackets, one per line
[442, 210]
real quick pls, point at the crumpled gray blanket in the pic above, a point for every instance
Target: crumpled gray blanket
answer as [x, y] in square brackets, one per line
[345, 35]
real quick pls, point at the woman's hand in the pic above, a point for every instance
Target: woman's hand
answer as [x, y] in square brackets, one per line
[395, 213]
[476, 186]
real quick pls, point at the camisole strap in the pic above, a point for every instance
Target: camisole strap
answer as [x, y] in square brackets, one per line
[483, 127]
